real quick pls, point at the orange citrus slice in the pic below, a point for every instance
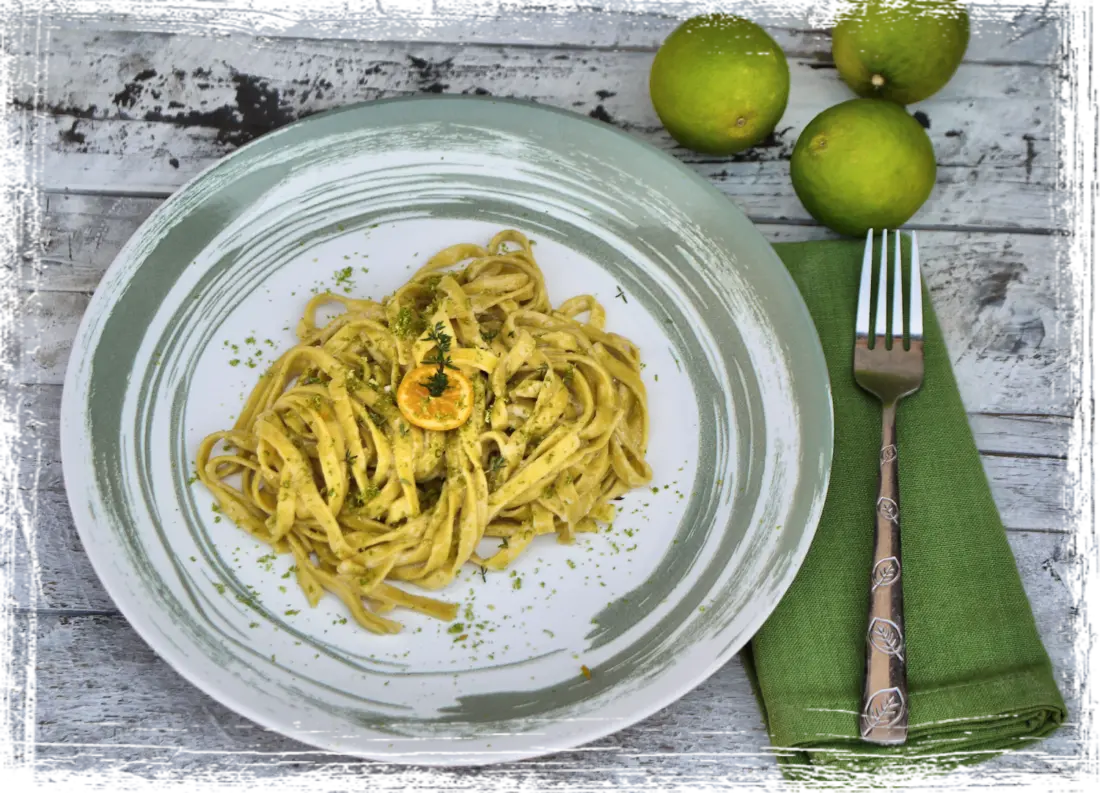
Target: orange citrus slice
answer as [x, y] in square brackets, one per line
[447, 411]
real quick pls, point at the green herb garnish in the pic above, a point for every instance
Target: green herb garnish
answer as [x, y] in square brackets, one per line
[437, 383]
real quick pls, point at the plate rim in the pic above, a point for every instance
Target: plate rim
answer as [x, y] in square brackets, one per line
[73, 410]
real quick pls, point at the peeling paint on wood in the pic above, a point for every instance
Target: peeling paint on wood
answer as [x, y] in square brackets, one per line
[1030, 35]
[1013, 349]
[137, 103]
[201, 97]
[125, 717]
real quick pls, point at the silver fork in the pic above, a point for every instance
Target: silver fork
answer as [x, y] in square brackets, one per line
[886, 368]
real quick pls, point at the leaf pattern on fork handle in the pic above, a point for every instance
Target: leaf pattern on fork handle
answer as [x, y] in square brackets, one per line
[885, 573]
[884, 715]
[885, 636]
[888, 509]
[884, 709]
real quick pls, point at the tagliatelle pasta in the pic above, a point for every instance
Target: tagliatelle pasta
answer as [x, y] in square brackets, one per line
[514, 420]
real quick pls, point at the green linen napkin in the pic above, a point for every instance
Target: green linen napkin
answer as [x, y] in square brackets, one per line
[980, 681]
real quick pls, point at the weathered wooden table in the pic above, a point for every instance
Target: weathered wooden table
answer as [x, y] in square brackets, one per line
[117, 114]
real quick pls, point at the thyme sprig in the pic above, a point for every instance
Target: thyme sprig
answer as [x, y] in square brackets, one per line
[438, 383]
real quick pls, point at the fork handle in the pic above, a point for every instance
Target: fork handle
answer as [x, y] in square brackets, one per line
[884, 714]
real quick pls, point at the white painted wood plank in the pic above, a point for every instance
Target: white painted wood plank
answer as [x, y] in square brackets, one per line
[1022, 32]
[49, 321]
[64, 578]
[1029, 489]
[1018, 323]
[145, 717]
[1040, 466]
[1000, 298]
[80, 235]
[1026, 447]
[1030, 492]
[1033, 436]
[176, 104]
[37, 409]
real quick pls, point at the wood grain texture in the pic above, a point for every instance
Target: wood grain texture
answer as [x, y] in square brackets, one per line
[1045, 488]
[1029, 492]
[1014, 32]
[1010, 278]
[999, 298]
[146, 718]
[106, 703]
[176, 104]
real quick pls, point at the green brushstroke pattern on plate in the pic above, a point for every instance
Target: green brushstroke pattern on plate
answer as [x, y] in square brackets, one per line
[741, 406]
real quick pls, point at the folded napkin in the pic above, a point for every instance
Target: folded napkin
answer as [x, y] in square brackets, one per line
[980, 681]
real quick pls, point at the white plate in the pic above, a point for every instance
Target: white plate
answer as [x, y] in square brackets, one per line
[740, 429]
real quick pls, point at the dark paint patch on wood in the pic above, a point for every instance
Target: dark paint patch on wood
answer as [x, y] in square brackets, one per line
[601, 115]
[132, 90]
[71, 135]
[922, 119]
[56, 109]
[759, 153]
[430, 74]
[953, 133]
[994, 287]
[1029, 159]
[173, 162]
[258, 110]
[363, 78]
[605, 94]
[1031, 333]
[821, 65]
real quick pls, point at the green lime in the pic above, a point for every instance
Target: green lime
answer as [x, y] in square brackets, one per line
[863, 164]
[719, 84]
[901, 50]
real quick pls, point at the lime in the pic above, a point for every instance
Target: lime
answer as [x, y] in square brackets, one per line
[901, 50]
[863, 164]
[719, 84]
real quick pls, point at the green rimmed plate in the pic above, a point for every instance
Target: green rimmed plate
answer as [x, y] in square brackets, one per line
[355, 199]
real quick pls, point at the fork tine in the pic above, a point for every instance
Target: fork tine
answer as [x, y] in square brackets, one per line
[916, 316]
[863, 308]
[896, 327]
[880, 308]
